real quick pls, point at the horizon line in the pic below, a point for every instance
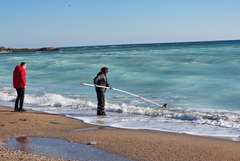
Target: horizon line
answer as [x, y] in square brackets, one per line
[150, 43]
[126, 44]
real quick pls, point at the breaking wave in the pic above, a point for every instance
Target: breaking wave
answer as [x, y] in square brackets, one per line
[220, 118]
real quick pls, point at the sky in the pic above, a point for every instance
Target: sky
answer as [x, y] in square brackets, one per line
[69, 23]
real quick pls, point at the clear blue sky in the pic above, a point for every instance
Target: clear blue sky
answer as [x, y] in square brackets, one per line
[43, 23]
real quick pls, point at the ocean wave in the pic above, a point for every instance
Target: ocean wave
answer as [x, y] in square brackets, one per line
[173, 114]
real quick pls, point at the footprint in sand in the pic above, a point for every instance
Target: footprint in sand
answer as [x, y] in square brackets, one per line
[22, 119]
[2, 125]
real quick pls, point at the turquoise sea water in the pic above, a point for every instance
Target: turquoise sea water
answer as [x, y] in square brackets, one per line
[199, 81]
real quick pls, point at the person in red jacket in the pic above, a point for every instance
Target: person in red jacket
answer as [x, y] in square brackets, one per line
[19, 83]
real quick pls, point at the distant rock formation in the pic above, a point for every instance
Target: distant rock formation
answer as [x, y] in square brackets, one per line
[48, 49]
[10, 50]
[2, 48]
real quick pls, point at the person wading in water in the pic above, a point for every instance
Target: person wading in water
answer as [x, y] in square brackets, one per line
[101, 80]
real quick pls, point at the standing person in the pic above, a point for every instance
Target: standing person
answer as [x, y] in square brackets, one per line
[19, 83]
[101, 80]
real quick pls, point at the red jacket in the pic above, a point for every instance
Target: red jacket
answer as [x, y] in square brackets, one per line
[19, 77]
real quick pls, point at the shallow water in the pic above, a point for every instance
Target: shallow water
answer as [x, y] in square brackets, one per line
[198, 81]
[60, 149]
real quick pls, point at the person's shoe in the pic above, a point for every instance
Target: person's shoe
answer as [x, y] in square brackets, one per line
[22, 109]
[101, 113]
[15, 109]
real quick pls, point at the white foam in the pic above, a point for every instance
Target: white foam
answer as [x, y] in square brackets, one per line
[179, 120]
[200, 116]
[6, 96]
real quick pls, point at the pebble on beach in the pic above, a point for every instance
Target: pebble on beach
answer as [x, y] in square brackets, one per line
[92, 143]
[54, 122]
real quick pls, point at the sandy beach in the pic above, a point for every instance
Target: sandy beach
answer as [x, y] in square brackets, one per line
[141, 145]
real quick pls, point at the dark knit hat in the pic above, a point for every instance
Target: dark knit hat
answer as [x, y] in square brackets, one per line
[104, 69]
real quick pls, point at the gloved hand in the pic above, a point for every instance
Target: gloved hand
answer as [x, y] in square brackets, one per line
[95, 85]
[110, 87]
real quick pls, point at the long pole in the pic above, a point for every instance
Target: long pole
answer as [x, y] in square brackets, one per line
[85, 84]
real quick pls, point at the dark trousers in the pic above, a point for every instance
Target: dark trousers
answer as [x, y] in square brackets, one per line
[101, 103]
[20, 98]
[101, 99]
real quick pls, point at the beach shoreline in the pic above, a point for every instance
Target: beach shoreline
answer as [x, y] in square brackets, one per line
[133, 144]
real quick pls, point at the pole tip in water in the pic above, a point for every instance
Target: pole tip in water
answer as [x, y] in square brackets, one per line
[82, 83]
[164, 106]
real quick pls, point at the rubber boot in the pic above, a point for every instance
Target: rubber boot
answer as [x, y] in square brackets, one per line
[100, 111]
[103, 111]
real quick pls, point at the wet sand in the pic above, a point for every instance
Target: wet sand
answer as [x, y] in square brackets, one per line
[134, 144]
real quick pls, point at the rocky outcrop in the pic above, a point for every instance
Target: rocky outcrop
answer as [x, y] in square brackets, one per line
[48, 49]
[10, 50]
[2, 48]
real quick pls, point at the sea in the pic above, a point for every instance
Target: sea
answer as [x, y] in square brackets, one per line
[199, 82]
